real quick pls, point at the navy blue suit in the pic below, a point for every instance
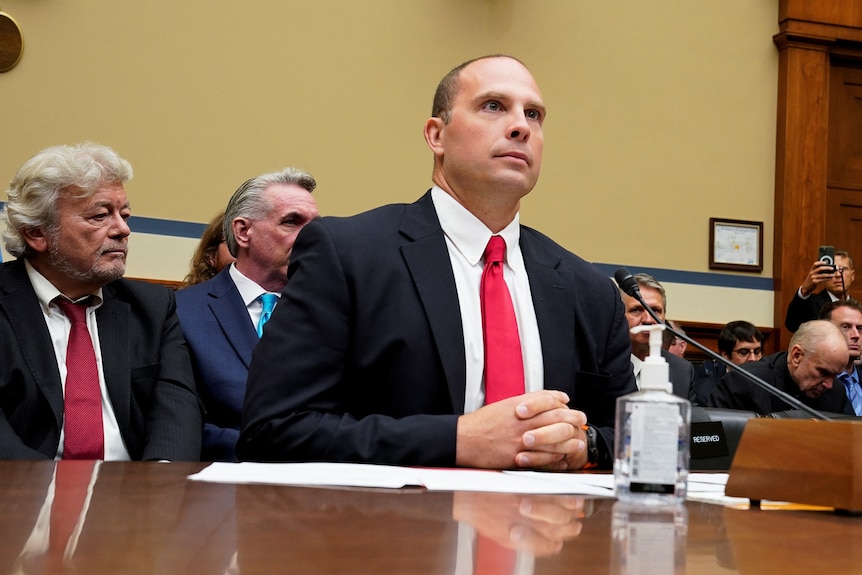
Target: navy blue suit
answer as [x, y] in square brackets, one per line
[221, 337]
[363, 359]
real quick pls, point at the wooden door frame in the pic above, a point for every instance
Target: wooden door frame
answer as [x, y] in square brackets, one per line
[811, 32]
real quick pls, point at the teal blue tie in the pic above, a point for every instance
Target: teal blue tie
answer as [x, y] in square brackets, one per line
[268, 300]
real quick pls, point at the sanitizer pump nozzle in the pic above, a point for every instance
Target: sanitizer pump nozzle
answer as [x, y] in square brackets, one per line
[655, 372]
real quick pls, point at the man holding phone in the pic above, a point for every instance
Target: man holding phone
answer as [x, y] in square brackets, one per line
[836, 276]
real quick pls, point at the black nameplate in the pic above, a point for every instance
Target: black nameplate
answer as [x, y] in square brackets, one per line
[660, 488]
[708, 440]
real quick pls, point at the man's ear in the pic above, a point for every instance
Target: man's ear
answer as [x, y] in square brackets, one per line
[241, 228]
[434, 135]
[36, 239]
[795, 355]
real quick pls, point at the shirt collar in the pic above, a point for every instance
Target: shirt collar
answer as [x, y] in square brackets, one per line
[46, 292]
[248, 289]
[467, 232]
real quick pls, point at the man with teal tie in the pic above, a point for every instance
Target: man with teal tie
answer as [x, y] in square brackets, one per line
[847, 315]
[223, 318]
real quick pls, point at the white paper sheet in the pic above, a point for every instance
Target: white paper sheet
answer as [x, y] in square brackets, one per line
[394, 477]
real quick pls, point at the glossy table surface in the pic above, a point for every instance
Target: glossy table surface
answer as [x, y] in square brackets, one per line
[149, 518]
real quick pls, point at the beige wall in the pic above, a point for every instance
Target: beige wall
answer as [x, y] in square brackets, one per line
[661, 113]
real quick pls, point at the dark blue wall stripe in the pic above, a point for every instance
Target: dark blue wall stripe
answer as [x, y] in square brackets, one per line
[173, 228]
[695, 278]
[195, 230]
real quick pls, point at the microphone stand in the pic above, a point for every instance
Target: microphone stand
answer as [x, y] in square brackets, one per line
[629, 286]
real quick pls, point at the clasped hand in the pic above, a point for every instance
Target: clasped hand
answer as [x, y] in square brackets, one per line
[534, 431]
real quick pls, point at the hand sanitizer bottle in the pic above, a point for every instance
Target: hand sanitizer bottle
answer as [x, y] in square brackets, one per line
[652, 435]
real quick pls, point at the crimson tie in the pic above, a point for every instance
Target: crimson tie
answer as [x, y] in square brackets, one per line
[504, 365]
[71, 482]
[491, 558]
[84, 436]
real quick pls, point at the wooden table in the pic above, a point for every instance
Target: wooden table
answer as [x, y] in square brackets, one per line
[148, 518]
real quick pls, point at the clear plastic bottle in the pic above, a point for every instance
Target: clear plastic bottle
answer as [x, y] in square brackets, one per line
[648, 539]
[651, 451]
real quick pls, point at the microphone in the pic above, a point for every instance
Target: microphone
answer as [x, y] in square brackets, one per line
[629, 286]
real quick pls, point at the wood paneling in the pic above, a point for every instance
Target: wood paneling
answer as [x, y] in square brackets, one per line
[820, 48]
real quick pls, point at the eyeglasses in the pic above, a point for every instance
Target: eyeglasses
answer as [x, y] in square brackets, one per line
[744, 352]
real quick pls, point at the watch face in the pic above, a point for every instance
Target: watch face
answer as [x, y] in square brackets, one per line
[11, 43]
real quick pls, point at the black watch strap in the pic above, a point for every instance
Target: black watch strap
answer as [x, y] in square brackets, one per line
[592, 445]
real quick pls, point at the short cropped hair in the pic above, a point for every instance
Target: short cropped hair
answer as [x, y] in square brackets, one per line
[249, 202]
[646, 280]
[448, 87]
[826, 310]
[737, 331]
[845, 254]
[35, 189]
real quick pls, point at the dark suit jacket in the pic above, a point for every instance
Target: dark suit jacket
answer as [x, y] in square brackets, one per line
[145, 361]
[706, 377]
[801, 310]
[221, 338]
[736, 392]
[681, 375]
[363, 359]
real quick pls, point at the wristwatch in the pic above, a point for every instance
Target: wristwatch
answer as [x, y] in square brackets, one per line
[592, 445]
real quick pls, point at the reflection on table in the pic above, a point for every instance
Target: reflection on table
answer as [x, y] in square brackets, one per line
[148, 518]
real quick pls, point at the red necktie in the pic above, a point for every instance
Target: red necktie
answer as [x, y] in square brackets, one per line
[504, 365]
[71, 481]
[492, 558]
[82, 404]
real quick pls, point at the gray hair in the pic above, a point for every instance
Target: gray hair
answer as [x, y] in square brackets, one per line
[646, 280]
[35, 189]
[249, 202]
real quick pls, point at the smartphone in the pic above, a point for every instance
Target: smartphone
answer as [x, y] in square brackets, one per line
[826, 254]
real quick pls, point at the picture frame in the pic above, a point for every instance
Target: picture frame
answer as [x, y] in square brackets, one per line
[735, 245]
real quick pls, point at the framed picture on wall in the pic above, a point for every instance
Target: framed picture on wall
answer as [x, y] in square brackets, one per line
[735, 245]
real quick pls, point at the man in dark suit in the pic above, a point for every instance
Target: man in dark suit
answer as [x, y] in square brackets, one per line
[653, 293]
[818, 353]
[739, 342]
[66, 224]
[836, 281]
[376, 352]
[221, 317]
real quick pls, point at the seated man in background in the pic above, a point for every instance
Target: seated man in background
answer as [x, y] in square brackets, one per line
[836, 280]
[818, 353]
[223, 318]
[673, 344]
[653, 293]
[443, 333]
[739, 342]
[94, 366]
[847, 315]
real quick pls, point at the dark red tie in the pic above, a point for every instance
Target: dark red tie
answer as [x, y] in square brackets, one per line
[84, 436]
[504, 365]
[492, 558]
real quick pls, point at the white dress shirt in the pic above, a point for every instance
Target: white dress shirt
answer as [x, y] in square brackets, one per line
[250, 293]
[466, 240]
[59, 327]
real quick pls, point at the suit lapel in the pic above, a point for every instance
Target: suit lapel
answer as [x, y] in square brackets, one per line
[552, 294]
[230, 312]
[19, 302]
[114, 342]
[427, 258]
